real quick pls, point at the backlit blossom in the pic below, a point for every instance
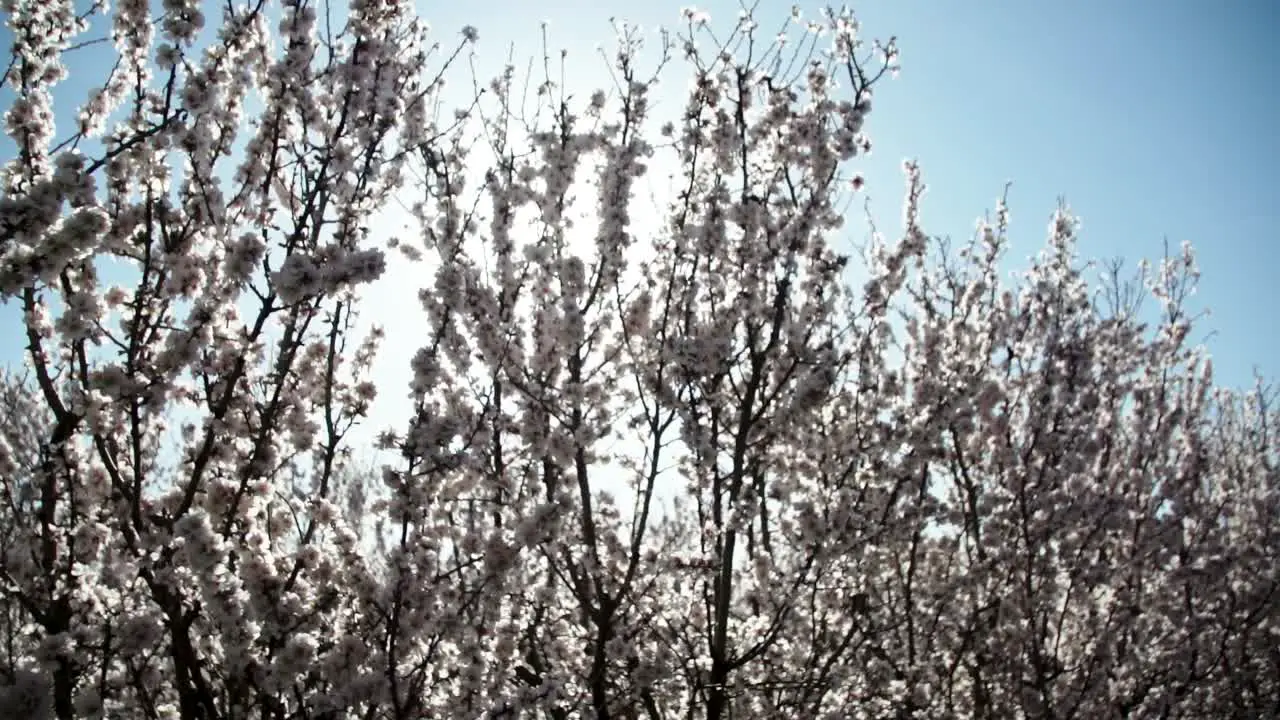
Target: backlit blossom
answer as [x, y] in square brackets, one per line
[652, 452]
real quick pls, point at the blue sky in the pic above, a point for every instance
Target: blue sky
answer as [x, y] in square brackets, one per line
[1153, 120]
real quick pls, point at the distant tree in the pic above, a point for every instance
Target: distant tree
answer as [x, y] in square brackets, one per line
[691, 471]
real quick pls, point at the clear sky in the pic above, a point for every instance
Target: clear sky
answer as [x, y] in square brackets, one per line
[1153, 120]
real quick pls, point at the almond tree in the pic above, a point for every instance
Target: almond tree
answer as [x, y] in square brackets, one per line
[232, 172]
[683, 469]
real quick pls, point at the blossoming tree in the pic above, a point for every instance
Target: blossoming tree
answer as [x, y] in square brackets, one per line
[685, 469]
